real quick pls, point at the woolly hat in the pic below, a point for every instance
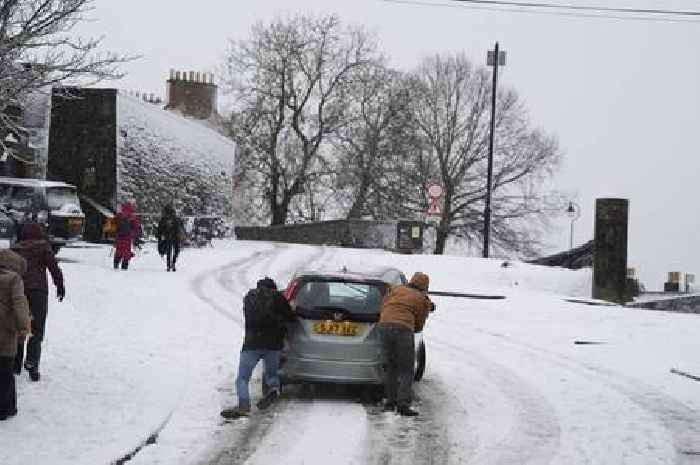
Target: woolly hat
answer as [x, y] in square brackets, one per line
[267, 282]
[32, 231]
[420, 281]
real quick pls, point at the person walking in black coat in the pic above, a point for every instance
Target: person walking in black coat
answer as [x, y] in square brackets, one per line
[36, 250]
[169, 234]
[266, 312]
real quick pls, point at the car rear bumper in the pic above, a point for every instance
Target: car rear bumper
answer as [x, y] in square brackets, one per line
[298, 369]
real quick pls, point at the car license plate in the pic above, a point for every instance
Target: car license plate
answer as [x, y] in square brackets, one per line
[336, 328]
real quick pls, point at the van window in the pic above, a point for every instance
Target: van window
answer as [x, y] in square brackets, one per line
[25, 198]
[57, 197]
[5, 192]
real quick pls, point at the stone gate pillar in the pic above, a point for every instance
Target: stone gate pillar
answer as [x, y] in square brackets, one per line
[610, 256]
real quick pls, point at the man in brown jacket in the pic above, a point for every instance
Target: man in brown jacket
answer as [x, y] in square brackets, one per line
[14, 322]
[404, 312]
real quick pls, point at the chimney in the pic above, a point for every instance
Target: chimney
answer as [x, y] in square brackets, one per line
[192, 93]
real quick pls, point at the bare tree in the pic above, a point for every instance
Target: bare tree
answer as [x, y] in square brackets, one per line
[366, 145]
[450, 110]
[38, 50]
[290, 80]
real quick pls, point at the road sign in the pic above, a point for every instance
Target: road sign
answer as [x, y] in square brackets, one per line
[434, 207]
[435, 191]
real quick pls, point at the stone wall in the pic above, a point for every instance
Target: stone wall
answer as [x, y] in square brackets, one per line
[344, 233]
[684, 304]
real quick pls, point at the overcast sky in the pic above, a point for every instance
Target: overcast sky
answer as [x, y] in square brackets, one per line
[622, 96]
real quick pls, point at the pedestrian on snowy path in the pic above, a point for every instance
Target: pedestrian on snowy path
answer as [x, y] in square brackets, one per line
[14, 323]
[36, 250]
[266, 312]
[403, 313]
[169, 234]
[128, 231]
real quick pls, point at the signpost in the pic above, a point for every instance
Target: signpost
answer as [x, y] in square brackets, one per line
[434, 195]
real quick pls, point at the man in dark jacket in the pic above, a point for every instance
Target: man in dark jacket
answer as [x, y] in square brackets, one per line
[169, 234]
[403, 313]
[266, 311]
[36, 250]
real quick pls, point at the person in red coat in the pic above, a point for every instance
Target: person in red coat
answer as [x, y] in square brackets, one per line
[128, 230]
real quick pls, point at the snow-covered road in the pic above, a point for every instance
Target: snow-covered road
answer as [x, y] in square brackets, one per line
[130, 354]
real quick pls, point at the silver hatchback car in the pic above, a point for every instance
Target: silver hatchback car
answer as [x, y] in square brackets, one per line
[335, 338]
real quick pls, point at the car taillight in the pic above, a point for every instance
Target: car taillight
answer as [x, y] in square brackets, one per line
[291, 290]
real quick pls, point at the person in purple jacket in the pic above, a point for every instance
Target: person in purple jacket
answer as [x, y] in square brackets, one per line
[36, 250]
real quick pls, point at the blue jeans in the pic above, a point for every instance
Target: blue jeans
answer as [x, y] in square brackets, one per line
[246, 364]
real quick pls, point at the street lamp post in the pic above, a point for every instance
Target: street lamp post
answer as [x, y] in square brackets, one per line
[574, 212]
[494, 58]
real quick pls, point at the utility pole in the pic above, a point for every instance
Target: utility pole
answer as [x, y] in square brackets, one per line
[494, 58]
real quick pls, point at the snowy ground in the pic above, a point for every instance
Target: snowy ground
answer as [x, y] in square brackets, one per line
[130, 354]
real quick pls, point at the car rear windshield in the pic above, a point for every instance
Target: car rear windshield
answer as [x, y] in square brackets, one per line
[355, 300]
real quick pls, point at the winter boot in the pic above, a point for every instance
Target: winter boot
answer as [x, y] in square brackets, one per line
[235, 412]
[17, 368]
[7, 415]
[268, 400]
[406, 411]
[33, 371]
[125, 264]
[116, 263]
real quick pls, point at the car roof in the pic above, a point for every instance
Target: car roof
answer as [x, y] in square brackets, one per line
[370, 276]
[30, 182]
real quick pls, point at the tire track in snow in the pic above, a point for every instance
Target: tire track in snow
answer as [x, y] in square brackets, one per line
[534, 436]
[242, 439]
[681, 421]
[422, 440]
[198, 284]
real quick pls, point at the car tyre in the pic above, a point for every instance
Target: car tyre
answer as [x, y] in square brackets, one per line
[420, 362]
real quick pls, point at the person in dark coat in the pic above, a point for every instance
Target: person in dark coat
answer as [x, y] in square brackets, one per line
[128, 231]
[14, 323]
[266, 312]
[169, 234]
[36, 250]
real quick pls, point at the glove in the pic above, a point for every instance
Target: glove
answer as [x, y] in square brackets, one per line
[60, 292]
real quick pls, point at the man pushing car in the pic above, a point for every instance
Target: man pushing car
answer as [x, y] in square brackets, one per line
[266, 312]
[404, 311]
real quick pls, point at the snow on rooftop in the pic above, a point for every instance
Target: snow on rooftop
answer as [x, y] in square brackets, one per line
[164, 157]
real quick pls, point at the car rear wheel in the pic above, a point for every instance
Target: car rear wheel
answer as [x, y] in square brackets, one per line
[420, 362]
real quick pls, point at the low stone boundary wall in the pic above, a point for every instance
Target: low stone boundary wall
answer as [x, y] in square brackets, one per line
[344, 233]
[684, 304]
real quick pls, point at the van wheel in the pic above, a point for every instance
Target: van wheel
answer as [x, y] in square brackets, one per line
[420, 362]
